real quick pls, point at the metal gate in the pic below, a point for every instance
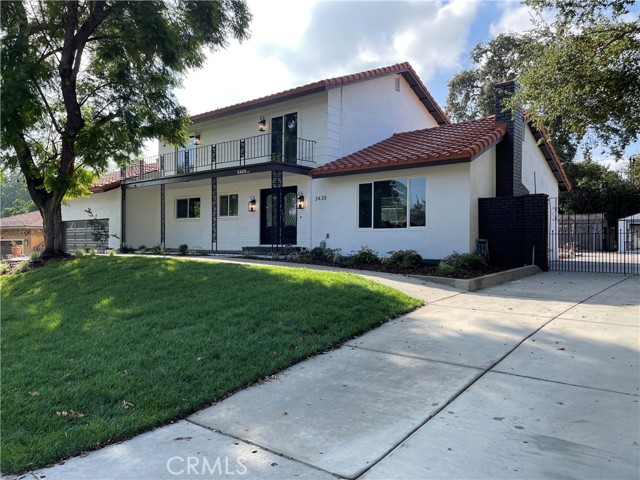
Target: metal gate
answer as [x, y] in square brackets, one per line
[599, 233]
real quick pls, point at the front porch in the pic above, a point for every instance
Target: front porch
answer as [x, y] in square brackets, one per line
[235, 157]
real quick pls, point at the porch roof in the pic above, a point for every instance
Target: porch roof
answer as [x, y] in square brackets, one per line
[112, 180]
[450, 143]
[405, 69]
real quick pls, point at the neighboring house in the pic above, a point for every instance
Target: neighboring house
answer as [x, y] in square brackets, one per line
[629, 233]
[364, 159]
[25, 231]
[584, 232]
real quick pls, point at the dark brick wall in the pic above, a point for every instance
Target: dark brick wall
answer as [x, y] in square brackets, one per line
[509, 150]
[513, 226]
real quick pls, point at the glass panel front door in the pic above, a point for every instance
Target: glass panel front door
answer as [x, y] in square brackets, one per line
[270, 232]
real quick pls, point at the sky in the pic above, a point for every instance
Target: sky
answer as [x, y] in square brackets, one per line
[294, 42]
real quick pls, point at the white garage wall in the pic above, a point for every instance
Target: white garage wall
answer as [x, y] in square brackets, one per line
[533, 161]
[483, 185]
[143, 216]
[448, 213]
[103, 205]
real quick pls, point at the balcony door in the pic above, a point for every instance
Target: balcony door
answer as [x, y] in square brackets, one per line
[270, 232]
[284, 138]
[187, 157]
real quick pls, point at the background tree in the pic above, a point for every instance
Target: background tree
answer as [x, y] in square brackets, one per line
[472, 92]
[14, 196]
[89, 81]
[585, 70]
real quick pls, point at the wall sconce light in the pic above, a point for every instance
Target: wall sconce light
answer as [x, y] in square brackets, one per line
[300, 201]
[252, 204]
[262, 124]
[196, 139]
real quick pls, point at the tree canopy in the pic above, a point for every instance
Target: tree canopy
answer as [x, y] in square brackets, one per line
[585, 70]
[472, 92]
[14, 196]
[90, 81]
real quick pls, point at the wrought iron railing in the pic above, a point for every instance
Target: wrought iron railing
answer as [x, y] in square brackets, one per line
[260, 149]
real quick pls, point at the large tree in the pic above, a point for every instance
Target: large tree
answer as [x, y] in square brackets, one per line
[14, 196]
[86, 82]
[472, 91]
[585, 70]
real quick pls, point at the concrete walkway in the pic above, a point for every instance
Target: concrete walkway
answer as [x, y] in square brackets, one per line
[537, 378]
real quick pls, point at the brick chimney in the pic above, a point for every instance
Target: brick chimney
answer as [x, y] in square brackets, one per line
[509, 150]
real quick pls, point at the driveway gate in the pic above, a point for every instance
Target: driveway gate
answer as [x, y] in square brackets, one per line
[595, 234]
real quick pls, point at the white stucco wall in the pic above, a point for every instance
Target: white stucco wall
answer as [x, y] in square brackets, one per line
[373, 110]
[482, 185]
[533, 161]
[448, 213]
[143, 217]
[103, 205]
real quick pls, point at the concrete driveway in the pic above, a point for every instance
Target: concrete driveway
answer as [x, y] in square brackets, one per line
[537, 378]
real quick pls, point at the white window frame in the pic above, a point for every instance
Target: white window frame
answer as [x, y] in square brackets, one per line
[188, 218]
[220, 215]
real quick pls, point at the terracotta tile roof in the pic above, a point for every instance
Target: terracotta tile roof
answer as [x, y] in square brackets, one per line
[31, 220]
[404, 69]
[458, 141]
[111, 180]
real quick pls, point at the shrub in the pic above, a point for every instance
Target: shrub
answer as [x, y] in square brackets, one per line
[158, 249]
[444, 269]
[23, 266]
[365, 255]
[34, 256]
[323, 255]
[142, 249]
[406, 258]
[124, 248]
[80, 252]
[112, 252]
[467, 261]
[92, 252]
[183, 249]
[4, 268]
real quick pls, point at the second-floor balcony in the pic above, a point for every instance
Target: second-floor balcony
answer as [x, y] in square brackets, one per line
[256, 150]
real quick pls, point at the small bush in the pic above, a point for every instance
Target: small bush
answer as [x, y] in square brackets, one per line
[92, 252]
[34, 256]
[406, 258]
[365, 255]
[467, 261]
[445, 270]
[142, 249]
[23, 266]
[324, 255]
[158, 249]
[124, 248]
[80, 252]
[4, 268]
[112, 252]
[183, 249]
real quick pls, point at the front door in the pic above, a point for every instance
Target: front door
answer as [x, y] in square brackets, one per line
[270, 232]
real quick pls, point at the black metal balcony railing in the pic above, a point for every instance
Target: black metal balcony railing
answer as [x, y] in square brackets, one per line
[260, 149]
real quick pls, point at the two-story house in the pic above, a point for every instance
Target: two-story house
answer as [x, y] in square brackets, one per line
[364, 159]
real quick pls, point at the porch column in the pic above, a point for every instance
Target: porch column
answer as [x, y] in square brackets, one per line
[123, 216]
[214, 214]
[162, 213]
[277, 218]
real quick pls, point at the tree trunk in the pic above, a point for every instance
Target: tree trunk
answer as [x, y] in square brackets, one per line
[51, 212]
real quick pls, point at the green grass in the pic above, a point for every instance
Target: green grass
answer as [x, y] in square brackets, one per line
[166, 335]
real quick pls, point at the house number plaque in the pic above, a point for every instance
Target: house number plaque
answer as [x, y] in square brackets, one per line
[320, 198]
[242, 171]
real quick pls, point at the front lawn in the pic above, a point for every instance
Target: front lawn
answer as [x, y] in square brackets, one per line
[98, 349]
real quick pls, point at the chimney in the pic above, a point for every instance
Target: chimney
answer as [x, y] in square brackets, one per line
[509, 150]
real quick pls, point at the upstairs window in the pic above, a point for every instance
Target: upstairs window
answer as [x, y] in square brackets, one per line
[188, 207]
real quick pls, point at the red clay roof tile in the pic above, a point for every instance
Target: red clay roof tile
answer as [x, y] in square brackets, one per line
[111, 180]
[458, 141]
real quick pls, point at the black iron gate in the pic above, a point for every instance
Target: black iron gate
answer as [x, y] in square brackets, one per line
[599, 233]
